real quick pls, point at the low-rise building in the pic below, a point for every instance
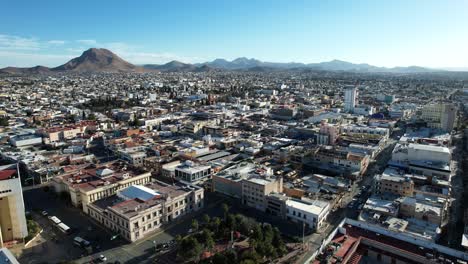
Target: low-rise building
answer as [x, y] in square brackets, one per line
[88, 183]
[138, 210]
[311, 213]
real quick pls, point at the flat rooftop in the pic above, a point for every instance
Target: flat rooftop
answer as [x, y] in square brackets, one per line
[132, 200]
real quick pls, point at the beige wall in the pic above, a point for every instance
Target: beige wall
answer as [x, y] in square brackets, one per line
[12, 213]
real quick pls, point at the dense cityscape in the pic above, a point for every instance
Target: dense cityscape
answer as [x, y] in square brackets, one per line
[234, 132]
[233, 166]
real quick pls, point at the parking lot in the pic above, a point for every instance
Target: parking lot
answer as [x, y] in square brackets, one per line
[54, 245]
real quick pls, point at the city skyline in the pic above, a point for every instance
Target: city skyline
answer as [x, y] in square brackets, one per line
[386, 34]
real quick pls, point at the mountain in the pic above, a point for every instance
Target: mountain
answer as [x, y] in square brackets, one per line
[32, 70]
[177, 66]
[334, 65]
[98, 60]
[92, 60]
[103, 60]
[171, 66]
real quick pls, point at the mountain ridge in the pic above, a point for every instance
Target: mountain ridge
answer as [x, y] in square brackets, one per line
[91, 60]
[103, 60]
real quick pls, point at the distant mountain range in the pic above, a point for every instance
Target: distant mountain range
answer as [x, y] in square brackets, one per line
[92, 60]
[103, 60]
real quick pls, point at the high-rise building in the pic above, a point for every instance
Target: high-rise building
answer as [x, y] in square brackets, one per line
[12, 214]
[440, 115]
[350, 98]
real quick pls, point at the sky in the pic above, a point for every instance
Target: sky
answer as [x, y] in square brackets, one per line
[429, 33]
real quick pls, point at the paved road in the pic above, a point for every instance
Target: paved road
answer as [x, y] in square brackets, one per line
[375, 167]
[143, 251]
[37, 200]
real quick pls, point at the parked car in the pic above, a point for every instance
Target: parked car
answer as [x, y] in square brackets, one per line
[44, 213]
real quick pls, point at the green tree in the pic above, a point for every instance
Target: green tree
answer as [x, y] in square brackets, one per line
[4, 121]
[225, 208]
[231, 256]
[250, 255]
[231, 222]
[206, 219]
[219, 258]
[195, 225]
[215, 224]
[189, 249]
[257, 233]
[268, 233]
[92, 116]
[278, 242]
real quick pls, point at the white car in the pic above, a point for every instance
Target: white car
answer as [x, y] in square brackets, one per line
[102, 258]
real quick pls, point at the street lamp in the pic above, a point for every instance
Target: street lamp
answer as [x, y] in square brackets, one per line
[154, 243]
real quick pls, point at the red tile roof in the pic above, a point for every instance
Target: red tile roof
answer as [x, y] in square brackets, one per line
[6, 174]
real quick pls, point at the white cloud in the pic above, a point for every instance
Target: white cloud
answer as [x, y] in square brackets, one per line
[26, 52]
[9, 42]
[56, 42]
[87, 41]
[29, 59]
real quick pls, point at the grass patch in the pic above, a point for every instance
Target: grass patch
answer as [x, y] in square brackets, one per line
[33, 229]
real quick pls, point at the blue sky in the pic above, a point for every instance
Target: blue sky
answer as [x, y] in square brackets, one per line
[383, 33]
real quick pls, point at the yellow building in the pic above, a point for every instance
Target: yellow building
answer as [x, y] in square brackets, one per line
[12, 215]
[440, 115]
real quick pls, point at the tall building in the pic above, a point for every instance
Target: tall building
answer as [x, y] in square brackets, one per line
[350, 98]
[12, 215]
[440, 115]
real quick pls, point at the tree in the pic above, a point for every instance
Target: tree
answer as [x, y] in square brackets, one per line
[225, 208]
[278, 242]
[268, 233]
[189, 248]
[231, 255]
[250, 255]
[195, 225]
[4, 121]
[206, 219]
[215, 224]
[257, 233]
[219, 258]
[92, 116]
[231, 222]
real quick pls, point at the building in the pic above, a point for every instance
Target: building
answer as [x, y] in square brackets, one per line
[337, 161]
[229, 180]
[350, 101]
[138, 210]
[427, 160]
[6, 257]
[256, 189]
[191, 172]
[88, 183]
[398, 185]
[328, 134]
[12, 213]
[25, 140]
[440, 115]
[310, 212]
[359, 242]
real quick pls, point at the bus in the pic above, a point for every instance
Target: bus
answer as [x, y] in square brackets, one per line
[55, 220]
[64, 228]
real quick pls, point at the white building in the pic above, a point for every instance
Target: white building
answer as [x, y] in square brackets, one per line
[12, 215]
[191, 172]
[310, 212]
[419, 152]
[350, 98]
